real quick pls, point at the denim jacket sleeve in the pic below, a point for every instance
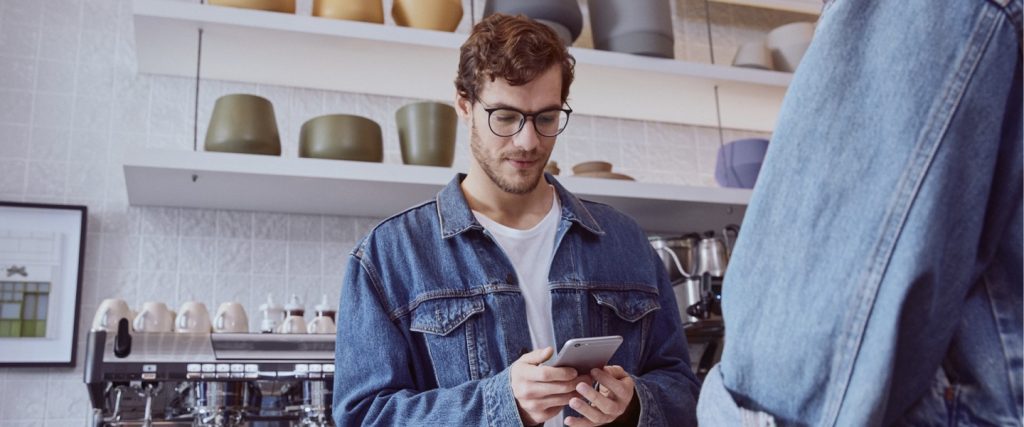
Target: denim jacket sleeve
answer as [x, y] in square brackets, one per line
[666, 385]
[375, 380]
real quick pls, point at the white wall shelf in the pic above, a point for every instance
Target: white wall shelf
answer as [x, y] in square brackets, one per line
[809, 7]
[304, 51]
[178, 178]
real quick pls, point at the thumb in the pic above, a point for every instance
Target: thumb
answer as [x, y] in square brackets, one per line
[537, 356]
[616, 371]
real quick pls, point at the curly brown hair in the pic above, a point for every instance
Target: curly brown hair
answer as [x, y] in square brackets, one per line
[515, 48]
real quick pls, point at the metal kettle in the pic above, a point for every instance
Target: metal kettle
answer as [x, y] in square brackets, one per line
[679, 257]
[678, 254]
[713, 253]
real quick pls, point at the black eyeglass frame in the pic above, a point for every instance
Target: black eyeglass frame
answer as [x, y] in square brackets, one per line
[527, 116]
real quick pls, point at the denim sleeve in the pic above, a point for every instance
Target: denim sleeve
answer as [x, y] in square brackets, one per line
[666, 386]
[375, 378]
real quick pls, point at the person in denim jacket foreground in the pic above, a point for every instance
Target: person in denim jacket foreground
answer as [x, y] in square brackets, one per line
[433, 325]
[878, 280]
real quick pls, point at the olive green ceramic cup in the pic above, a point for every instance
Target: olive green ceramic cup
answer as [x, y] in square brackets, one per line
[243, 123]
[426, 131]
[341, 137]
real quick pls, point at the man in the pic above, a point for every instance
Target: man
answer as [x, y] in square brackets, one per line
[449, 309]
[878, 277]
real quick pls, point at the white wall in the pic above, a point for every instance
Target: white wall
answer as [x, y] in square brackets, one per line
[71, 102]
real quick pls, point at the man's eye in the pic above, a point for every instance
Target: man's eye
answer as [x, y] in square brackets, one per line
[506, 117]
[547, 119]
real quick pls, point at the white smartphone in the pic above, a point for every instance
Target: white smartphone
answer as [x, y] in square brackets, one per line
[584, 354]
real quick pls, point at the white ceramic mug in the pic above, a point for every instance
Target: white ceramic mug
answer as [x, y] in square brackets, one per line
[231, 318]
[321, 325]
[193, 318]
[110, 312]
[154, 317]
[753, 55]
[293, 325]
[295, 320]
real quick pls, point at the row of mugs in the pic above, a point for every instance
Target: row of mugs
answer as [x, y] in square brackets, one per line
[193, 317]
[244, 123]
[439, 15]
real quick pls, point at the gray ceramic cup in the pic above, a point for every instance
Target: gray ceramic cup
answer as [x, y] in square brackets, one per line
[341, 137]
[426, 131]
[630, 26]
[553, 13]
[243, 123]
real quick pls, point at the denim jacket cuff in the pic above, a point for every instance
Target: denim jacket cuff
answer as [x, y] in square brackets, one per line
[716, 405]
[650, 415]
[501, 404]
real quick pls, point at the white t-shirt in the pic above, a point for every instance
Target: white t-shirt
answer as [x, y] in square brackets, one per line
[530, 252]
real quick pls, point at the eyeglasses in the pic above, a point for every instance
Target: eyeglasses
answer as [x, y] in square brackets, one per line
[507, 121]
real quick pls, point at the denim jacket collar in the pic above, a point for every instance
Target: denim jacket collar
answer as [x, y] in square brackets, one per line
[456, 217]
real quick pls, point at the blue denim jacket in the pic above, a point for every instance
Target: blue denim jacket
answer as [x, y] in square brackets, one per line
[431, 316]
[878, 278]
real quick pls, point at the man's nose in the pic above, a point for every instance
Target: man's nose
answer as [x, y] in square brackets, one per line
[527, 139]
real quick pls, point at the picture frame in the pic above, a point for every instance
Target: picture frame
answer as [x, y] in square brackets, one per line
[42, 254]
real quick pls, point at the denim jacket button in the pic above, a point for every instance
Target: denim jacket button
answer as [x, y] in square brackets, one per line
[510, 278]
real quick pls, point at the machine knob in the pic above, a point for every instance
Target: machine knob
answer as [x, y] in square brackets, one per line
[123, 341]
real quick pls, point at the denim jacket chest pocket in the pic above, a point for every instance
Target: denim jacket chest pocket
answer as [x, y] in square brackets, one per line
[628, 314]
[452, 330]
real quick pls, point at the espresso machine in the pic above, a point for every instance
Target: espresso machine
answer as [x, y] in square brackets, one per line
[696, 264]
[201, 379]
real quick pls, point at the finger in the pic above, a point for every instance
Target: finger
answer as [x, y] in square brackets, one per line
[607, 381]
[592, 413]
[550, 374]
[556, 400]
[578, 422]
[616, 371]
[585, 379]
[542, 409]
[597, 400]
[537, 356]
[536, 389]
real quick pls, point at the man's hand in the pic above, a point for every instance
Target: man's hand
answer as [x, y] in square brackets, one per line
[542, 391]
[605, 406]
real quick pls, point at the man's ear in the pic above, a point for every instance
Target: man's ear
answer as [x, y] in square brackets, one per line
[464, 108]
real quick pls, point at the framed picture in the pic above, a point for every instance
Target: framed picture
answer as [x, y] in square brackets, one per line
[41, 255]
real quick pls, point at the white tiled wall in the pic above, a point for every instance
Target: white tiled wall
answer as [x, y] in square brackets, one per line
[71, 102]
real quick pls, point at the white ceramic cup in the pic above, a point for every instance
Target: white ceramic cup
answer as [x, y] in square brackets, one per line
[231, 318]
[293, 325]
[110, 312]
[321, 325]
[193, 318]
[788, 44]
[753, 55]
[154, 317]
